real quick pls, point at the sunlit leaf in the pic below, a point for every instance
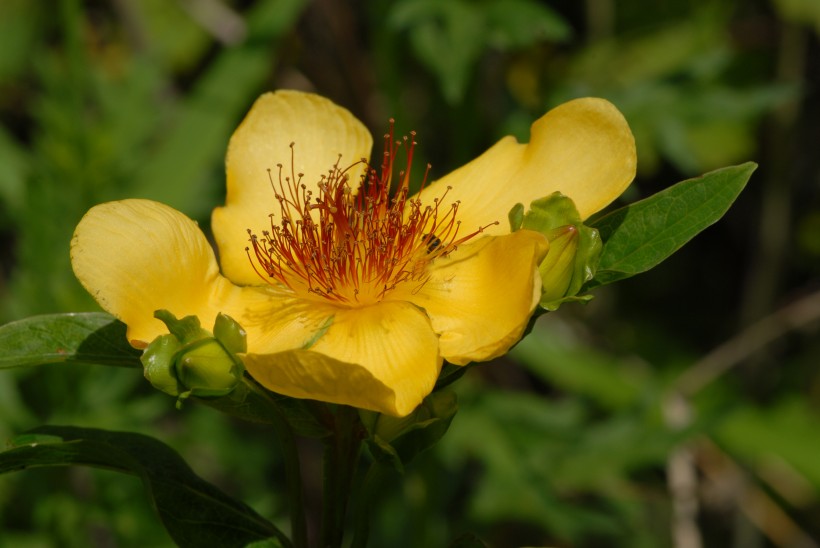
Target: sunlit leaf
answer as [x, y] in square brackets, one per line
[641, 235]
[93, 337]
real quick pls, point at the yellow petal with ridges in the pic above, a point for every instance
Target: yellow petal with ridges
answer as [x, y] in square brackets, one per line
[320, 131]
[138, 256]
[382, 357]
[480, 297]
[286, 322]
[583, 149]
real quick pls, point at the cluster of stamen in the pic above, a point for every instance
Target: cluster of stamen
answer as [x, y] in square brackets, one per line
[354, 247]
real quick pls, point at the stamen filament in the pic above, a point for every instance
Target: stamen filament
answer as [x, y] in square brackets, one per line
[354, 247]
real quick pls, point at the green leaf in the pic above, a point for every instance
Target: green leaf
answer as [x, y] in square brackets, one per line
[194, 512]
[93, 337]
[517, 24]
[641, 235]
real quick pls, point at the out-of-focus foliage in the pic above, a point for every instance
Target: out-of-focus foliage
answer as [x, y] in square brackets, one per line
[697, 382]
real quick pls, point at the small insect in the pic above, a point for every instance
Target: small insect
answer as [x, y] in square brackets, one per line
[433, 242]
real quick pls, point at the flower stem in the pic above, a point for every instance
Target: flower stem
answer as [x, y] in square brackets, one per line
[340, 459]
[293, 474]
[372, 483]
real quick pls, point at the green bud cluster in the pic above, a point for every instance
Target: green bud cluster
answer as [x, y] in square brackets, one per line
[191, 361]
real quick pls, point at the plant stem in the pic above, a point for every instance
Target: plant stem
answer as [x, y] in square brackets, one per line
[370, 486]
[340, 459]
[293, 473]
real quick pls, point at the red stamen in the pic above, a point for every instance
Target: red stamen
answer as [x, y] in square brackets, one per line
[350, 248]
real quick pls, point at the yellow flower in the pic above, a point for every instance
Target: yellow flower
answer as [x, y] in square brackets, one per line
[348, 295]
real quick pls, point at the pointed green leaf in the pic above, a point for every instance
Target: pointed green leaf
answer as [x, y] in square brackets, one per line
[194, 512]
[93, 337]
[641, 235]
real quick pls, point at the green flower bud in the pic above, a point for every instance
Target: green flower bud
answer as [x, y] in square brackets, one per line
[558, 266]
[191, 361]
[207, 369]
[574, 249]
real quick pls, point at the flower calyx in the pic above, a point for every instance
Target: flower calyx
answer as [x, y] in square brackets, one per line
[191, 361]
[397, 440]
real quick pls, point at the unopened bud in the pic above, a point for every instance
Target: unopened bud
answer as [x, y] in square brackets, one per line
[191, 361]
[207, 369]
[558, 266]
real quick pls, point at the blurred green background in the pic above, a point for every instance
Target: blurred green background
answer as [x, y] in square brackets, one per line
[678, 408]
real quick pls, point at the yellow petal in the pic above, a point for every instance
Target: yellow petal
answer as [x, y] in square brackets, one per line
[583, 148]
[284, 322]
[137, 256]
[480, 298]
[382, 357]
[320, 131]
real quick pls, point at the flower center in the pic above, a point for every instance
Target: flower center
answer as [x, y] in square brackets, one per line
[355, 247]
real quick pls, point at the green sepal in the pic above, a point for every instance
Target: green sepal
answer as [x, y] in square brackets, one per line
[158, 364]
[450, 373]
[186, 330]
[574, 249]
[232, 335]
[397, 440]
[516, 217]
[208, 369]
